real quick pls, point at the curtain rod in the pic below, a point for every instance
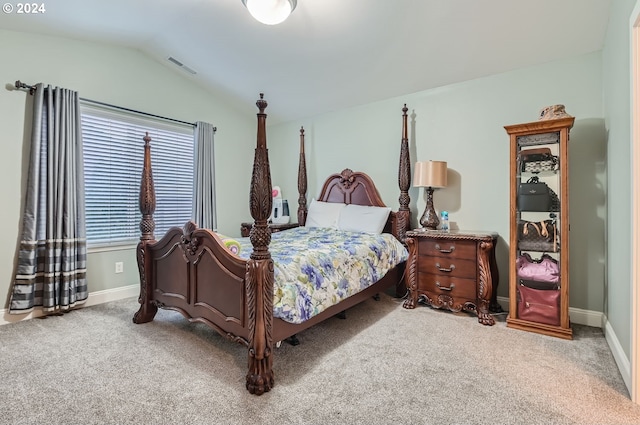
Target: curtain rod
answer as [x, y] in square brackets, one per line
[20, 85]
[95, 102]
[32, 89]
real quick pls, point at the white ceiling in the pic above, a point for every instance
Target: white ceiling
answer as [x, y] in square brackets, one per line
[332, 54]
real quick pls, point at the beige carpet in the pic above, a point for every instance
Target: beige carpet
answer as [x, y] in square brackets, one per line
[382, 365]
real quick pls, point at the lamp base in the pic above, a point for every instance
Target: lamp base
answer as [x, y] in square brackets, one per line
[429, 219]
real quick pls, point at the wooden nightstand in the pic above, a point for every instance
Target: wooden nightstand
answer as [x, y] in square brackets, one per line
[455, 270]
[245, 228]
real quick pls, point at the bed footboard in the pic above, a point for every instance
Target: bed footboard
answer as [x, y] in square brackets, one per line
[190, 271]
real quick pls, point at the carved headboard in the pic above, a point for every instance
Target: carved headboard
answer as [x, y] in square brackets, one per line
[354, 187]
[351, 187]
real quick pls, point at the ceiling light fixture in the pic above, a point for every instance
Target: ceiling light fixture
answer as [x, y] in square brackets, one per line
[270, 12]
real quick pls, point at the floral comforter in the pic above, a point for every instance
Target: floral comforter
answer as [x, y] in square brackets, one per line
[316, 268]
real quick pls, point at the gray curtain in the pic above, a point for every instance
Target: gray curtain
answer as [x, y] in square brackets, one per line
[51, 269]
[204, 193]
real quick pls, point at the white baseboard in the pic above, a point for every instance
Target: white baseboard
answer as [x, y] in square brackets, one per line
[586, 317]
[624, 365]
[94, 298]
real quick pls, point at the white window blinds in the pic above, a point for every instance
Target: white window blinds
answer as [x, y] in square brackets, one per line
[113, 157]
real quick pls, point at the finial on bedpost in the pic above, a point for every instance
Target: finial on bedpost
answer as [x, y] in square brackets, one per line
[261, 103]
[302, 138]
[404, 179]
[302, 183]
[147, 197]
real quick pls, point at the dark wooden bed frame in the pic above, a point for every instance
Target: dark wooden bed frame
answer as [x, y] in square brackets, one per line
[190, 271]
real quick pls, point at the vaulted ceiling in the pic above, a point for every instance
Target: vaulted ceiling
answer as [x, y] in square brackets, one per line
[332, 54]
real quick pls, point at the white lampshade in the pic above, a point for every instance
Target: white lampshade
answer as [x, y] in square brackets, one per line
[270, 12]
[430, 174]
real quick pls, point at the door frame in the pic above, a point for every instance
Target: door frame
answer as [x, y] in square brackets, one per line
[635, 199]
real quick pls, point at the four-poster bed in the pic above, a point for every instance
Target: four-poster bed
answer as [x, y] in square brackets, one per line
[189, 270]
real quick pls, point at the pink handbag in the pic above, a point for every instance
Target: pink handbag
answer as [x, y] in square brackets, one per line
[542, 306]
[544, 270]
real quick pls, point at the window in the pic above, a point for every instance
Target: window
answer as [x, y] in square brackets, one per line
[113, 159]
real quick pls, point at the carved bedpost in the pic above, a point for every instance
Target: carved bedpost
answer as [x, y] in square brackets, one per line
[259, 275]
[302, 183]
[403, 216]
[147, 198]
[147, 205]
[485, 282]
[411, 272]
[404, 179]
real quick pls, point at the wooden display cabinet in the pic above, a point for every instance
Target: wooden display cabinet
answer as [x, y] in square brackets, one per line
[554, 135]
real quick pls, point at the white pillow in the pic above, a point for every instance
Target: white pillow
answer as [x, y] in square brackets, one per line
[323, 214]
[361, 218]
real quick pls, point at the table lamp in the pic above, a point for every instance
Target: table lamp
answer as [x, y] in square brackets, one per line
[430, 174]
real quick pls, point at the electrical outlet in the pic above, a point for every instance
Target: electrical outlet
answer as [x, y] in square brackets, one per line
[119, 267]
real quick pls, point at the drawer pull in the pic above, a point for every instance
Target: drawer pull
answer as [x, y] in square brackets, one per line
[445, 251]
[449, 270]
[444, 288]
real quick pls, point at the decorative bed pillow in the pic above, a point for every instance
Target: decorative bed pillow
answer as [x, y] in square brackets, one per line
[361, 218]
[231, 244]
[324, 214]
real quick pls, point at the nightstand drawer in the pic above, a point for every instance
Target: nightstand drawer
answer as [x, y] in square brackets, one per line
[447, 248]
[459, 288]
[453, 267]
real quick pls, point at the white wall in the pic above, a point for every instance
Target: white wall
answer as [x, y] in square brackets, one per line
[463, 125]
[122, 77]
[617, 106]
